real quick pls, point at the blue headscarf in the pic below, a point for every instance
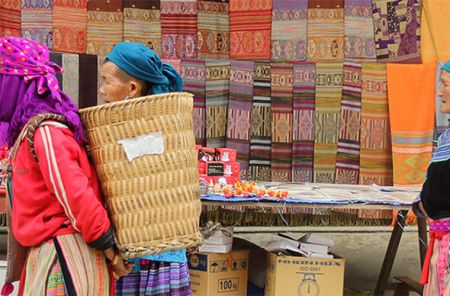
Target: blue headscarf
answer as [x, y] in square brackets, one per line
[141, 62]
[446, 66]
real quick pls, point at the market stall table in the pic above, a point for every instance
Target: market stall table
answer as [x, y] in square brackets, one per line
[308, 195]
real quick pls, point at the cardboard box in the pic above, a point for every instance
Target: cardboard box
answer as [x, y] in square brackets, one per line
[226, 154]
[219, 274]
[289, 275]
[206, 153]
[232, 169]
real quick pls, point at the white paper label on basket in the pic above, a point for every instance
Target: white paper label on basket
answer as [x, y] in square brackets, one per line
[152, 143]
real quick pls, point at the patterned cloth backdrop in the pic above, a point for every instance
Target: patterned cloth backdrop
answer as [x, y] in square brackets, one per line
[194, 74]
[213, 22]
[176, 63]
[104, 26]
[325, 30]
[303, 124]
[70, 78]
[239, 110]
[358, 30]
[328, 106]
[289, 30]
[179, 28]
[10, 22]
[347, 159]
[250, 27]
[434, 33]
[217, 85]
[142, 23]
[69, 26]
[37, 21]
[261, 127]
[375, 151]
[397, 30]
[282, 98]
[412, 140]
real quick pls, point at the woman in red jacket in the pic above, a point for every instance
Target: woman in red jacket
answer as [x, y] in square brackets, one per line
[57, 209]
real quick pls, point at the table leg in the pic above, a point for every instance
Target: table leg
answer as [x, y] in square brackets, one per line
[391, 251]
[423, 242]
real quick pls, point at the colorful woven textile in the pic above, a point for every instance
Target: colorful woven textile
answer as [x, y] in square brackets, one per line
[37, 21]
[325, 30]
[328, 105]
[70, 79]
[213, 24]
[411, 129]
[10, 18]
[157, 279]
[359, 33]
[239, 111]
[55, 281]
[347, 159]
[250, 28]
[217, 84]
[303, 121]
[282, 98]
[261, 127]
[375, 149]
[289, 30]
[69, 26]
[397, 30]
[176, 63]
[179, 28]
[194, 76]
[142, 23]
[435, 35]
[104, 26]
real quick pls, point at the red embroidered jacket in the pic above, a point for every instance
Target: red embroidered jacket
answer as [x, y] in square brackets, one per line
[59, 194]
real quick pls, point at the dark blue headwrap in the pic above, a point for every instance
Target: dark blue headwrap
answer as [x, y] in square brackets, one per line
[141, 62]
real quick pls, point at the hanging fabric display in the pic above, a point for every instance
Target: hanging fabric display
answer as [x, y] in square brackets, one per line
[37, 21]
[261, 128]
[347, 159]
[303, 121]
[10, 18]
[289, 30]
[326, 123]
[216, 86]
[213, 24]
[435, 36]
[282, 83]
[179, 28]
[142, 23]
[69, 26]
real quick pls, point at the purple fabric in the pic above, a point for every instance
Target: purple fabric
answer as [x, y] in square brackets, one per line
[289, 4]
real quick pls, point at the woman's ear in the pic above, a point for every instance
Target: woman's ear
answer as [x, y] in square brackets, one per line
[134, 89]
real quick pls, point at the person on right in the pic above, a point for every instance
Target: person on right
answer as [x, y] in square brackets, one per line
[433, 203]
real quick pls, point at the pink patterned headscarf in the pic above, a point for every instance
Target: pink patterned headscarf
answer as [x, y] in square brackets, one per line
[30, 59]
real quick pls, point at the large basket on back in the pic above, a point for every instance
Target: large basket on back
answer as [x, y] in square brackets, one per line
[153, 200]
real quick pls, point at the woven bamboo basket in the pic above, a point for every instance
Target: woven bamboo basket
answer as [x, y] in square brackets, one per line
[153, 200]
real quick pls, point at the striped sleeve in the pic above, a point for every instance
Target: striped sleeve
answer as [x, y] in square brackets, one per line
[60, 162]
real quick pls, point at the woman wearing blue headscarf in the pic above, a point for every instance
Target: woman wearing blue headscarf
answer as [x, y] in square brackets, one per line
[133, 70]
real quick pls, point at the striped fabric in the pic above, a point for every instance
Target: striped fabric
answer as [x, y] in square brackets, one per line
[157, 279]
[303, 121]
[10, 18]
[104, 26]
[347, 159]
[55, 282]
[261, 127]
[239, 111]
[142, 23]
[375, 149]
[289, 30]
[70, 78]
[358, 30]
[282, 81]
[194, 75]
[412, 137]
[179, 28]
[325, 30]
[69, 26]
[213, 29]
[86, 267]
[250, 28]
[217, 84]
[328, 105]
[37, 21]
[397, 30]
